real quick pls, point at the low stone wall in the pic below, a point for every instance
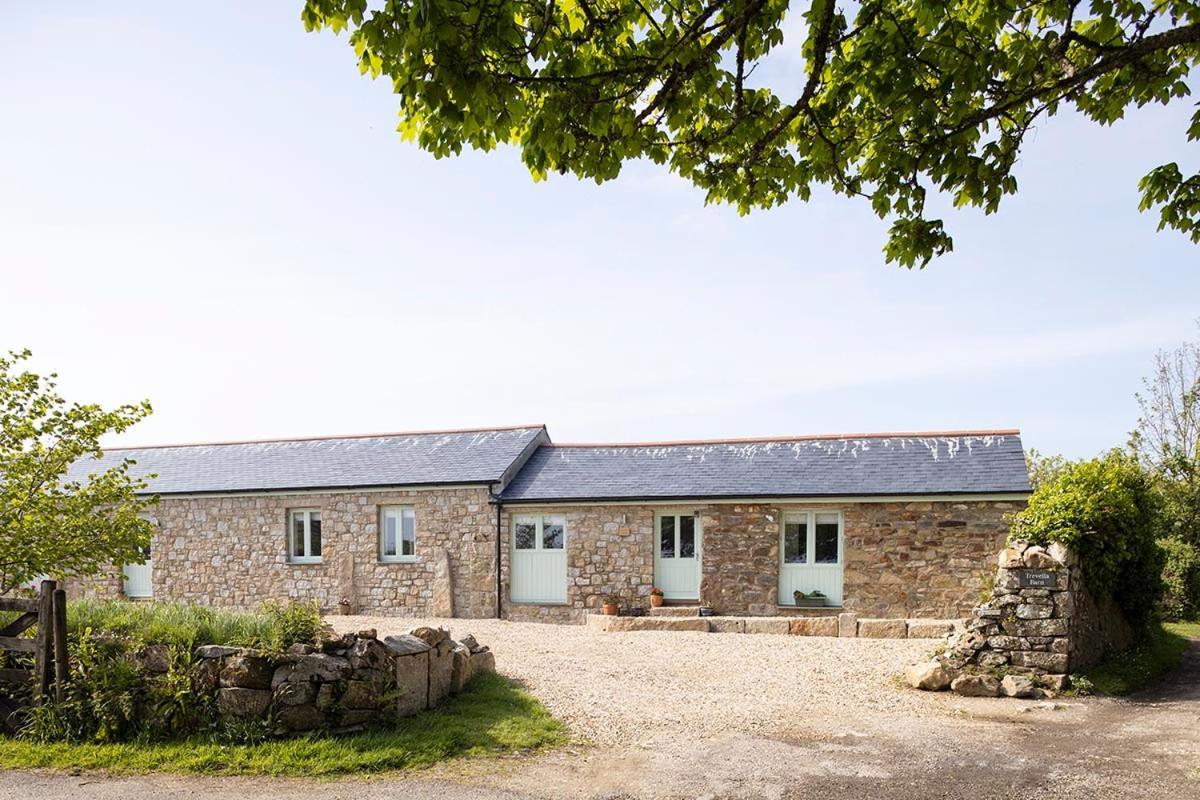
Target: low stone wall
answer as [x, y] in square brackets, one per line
[1040, 623]
[843, 625]
[343, 685]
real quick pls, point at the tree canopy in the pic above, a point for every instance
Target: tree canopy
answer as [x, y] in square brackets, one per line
[898, 97]
[50, 524]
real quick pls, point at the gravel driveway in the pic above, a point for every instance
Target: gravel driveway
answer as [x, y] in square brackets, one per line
[627, 688]
[695, 715]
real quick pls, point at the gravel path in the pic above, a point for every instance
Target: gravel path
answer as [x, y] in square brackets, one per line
[635, 687]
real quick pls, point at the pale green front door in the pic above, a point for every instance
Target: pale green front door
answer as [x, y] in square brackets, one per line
[677, 552]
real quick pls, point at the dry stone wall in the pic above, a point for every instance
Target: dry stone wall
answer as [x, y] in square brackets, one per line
[345, 684]
[1039, 623]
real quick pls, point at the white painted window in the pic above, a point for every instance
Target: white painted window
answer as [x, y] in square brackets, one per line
[397, 533]
[539, 533]
[304, 536]
[811, 555]
[812, 537]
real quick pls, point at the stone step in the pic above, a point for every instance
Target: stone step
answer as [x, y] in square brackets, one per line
[616, 624]
[675, 611]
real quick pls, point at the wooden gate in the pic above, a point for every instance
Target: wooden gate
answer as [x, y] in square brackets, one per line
[49, 647]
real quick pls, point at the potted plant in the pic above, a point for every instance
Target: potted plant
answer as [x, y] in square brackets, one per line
[612, 604]
[812, 599]
[656, 597]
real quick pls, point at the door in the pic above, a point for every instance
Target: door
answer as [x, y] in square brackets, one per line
[677, 556]
[138, 581]
[539, 559]
[811, 556]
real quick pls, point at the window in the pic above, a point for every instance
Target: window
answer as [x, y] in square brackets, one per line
[397, 533]
[666, 537]
[795, 542]
[540, 533]
[812, 537]
[825, 550]
[304, 542]
[677, 536]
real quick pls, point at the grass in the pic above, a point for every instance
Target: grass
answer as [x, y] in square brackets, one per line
[190, 625]
[492, 716]
[1145, 663]
[1189, 629]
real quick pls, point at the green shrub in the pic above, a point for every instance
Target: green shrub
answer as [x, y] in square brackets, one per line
[1107, 510]
[102, 700]
[292, 623]
[1181, 579]
[109, 699]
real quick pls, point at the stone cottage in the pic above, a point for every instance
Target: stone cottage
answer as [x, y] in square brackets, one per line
[503, 522]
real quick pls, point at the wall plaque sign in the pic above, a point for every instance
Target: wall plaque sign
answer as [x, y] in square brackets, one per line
[1037, 579]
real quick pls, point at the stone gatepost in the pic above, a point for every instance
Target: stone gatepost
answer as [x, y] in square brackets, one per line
[1023, 640]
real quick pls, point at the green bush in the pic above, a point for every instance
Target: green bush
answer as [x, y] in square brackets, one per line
[1181, 580]
[103, 697]
[1107, 510]
[297, 621]
[110, 699]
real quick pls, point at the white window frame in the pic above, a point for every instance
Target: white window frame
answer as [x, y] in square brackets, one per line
[291, 521]
[539, 521]
[399, 557]
[678, 517]
[809, 517]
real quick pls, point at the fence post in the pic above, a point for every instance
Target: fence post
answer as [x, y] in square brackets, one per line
[45, 638]
[61, 664]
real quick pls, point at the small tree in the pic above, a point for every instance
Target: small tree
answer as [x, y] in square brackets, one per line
[1167, 437]
[51, 524]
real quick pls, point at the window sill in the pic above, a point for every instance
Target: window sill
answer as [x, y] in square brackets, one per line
[409, 560]
[305, 562]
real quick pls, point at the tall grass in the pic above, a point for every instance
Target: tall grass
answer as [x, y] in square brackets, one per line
[188, 626]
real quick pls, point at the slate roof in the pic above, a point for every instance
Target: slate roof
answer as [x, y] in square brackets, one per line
[400, 459]
[852, 465]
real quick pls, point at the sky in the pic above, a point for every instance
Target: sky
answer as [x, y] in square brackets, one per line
[210, 208]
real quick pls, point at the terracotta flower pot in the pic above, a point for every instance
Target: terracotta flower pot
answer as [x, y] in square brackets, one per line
[656, 600]
[610, 609]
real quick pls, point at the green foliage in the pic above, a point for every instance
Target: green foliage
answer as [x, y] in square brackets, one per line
[1167, 437]
[102, 698]
[50, 525]
[109, 699]
[1107, 510]
[1181, 579]
[297, 621]
[176, 624]
[896, 97]
[1140, 666]
[1043, 468]
[492, 716]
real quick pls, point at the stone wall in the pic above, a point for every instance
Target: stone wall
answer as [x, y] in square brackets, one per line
[921, 559]
[1039, 623]
[343, 685]
[232, 551]
[609, 552]
[739, 571]
[902, 559]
